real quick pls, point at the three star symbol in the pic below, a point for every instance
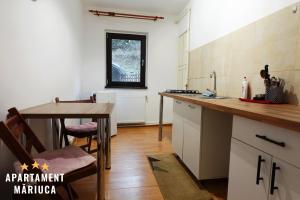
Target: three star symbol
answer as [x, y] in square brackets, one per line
[34, 165]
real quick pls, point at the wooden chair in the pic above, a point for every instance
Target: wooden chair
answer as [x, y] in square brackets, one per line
[85, 130]
[78, 164]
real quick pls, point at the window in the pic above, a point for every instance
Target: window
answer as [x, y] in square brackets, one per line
[125, 61]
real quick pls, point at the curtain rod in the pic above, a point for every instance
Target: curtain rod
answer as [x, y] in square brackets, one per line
[124, 15]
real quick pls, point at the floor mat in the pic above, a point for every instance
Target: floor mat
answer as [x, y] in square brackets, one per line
[174, 182]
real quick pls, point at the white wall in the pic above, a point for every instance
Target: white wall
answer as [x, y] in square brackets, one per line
[161, 64]
[40, 51]
[40, 56]
[211, 19]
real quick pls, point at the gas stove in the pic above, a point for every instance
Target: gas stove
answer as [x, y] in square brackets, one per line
[183, 91]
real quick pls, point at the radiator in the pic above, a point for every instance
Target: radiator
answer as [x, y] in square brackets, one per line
[131, 109]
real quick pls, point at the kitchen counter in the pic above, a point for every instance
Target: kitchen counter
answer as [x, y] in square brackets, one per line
[281, 115]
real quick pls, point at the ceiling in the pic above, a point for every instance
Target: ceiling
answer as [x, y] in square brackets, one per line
[154, 6]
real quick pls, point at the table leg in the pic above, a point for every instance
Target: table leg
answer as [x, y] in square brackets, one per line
[54, 133]
[108, 145]
[100, 159]
[161, 110]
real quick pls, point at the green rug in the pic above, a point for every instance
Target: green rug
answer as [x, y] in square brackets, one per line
[174, 182]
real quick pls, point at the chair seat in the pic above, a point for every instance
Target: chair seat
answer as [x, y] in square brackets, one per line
[66, 160]
[83, 128]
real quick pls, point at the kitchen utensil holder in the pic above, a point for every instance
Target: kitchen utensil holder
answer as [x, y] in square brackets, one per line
[274, 94]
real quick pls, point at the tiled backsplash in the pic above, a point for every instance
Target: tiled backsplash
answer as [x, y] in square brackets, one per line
[273, 40]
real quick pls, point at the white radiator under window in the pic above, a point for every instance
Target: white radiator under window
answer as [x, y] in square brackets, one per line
[131, 108]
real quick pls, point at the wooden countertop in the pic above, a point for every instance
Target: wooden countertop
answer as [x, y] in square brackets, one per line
[282, 115]
[68, 110]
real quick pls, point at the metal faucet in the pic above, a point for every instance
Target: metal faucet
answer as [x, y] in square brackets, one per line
[213, 74]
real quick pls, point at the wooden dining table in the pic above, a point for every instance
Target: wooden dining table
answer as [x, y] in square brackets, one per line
[99, 111]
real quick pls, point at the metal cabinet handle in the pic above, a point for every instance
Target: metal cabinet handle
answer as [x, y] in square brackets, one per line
[263, 137]
[179, 102]
[258, 178]
[273, 187]
[192, 107]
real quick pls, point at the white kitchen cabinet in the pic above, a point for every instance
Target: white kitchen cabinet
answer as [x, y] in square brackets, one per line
[191, 146]
[287, 179]
[280, 169]
[202, 146]
[243, 173]
[186, 134]
[177, 128]
[177, 134]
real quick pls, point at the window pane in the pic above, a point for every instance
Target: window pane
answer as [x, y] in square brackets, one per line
[126, 60]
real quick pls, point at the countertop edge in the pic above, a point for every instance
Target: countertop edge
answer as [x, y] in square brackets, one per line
[208, 103]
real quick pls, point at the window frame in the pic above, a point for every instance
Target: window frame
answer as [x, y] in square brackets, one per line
[126, 85]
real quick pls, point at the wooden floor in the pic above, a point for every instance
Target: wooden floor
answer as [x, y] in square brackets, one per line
[131, 177]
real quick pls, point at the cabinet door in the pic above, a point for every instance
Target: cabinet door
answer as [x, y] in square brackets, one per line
[191, 146]
[177, 134]
[177, 128]
[244, 173]
[286, 179]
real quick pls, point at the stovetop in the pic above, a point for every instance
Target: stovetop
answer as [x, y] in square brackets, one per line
[183, 91]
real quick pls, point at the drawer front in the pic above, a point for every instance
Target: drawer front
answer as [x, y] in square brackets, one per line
[178, 107]
[279, 142]
[192, 112]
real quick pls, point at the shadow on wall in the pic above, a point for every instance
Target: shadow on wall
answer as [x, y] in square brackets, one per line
[290, 96]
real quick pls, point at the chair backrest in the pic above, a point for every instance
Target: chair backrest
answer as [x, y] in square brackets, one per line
[92, 99]
[11, 132]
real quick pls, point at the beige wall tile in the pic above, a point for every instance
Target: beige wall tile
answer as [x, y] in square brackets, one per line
[278, 54]
[222, 86]
[297, 65]
[257, 85]
[273, 40]
[243, 62]
[206, 59]
[286, 51]
[266, 30]
[222, 46]
[191, 84]
[292, 88]
[288, 22]
[195, 84]
[243, 39]
[194, 63]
